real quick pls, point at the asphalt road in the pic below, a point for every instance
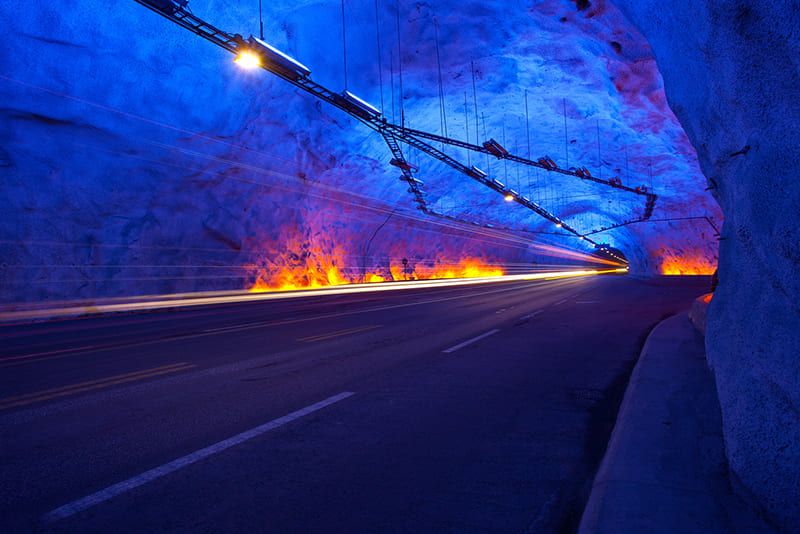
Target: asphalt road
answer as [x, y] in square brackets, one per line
[483, 408]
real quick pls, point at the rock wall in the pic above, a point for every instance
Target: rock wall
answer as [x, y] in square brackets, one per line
[136, 158]
[731, 72]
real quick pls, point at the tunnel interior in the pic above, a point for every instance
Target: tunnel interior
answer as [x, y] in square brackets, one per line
[136, 158]
[151, 147]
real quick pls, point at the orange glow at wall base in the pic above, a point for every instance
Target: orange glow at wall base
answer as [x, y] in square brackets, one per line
[696, 265]
[326, 273]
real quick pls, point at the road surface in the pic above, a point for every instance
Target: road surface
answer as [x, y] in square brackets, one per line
[482, 408]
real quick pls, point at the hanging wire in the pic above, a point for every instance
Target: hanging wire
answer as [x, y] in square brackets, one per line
[475, 102]
[599, 155]
[483, 116]
[505, 161]
[391, 84]
[528, 132]
[344, 47]
[261, 19]
[466, 123]
[400, 68]
[442, 113]
[378, 39]
[566, 135]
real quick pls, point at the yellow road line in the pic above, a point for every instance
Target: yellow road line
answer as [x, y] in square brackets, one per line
[339, 333]
[91, 385]
[46, 391]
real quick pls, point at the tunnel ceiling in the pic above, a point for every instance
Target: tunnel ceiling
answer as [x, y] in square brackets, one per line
[128, 141]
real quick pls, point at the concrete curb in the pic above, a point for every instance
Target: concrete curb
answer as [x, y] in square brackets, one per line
[697, 313]
[592, 515]
[664, 470]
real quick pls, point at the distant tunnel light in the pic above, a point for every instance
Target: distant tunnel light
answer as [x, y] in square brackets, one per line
[509, 198]
[248, 59]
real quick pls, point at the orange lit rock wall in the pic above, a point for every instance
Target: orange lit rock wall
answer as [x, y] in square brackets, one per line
[320, 249]
[687, 265]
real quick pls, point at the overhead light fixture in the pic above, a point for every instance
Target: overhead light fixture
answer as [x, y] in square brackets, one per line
[248, 60]
[509, 198]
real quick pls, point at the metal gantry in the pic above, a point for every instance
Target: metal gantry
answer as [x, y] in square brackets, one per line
[296, 74]
[669, 219]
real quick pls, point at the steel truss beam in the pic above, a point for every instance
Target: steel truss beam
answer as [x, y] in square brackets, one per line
[177, 11]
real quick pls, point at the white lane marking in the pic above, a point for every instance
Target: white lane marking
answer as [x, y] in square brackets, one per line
[560, 302]
[473, 340]
[235, 327]
[531, 315]
[158, 472]
[62, 351]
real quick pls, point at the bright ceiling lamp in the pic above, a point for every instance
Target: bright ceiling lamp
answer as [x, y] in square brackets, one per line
[509, 198]
[248, 60]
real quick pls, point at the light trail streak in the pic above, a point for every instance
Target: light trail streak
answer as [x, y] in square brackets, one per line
[183, 300]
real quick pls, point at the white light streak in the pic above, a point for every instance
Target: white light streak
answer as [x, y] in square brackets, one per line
[181, 300]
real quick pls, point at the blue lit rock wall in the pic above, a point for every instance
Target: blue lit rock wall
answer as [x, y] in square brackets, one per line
[137, 158]
[731, 72]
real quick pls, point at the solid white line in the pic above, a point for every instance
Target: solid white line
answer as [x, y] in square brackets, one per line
[473, 340]
[158, 472]
[560, 302]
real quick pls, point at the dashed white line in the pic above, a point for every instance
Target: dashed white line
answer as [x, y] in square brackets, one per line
[52, 352]
[560, 302]
[531, 315]
[234, 327]
[469, 341]
[148, 476]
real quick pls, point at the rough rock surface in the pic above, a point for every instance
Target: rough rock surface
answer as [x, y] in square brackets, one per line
[731, 72]
[136, 158]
